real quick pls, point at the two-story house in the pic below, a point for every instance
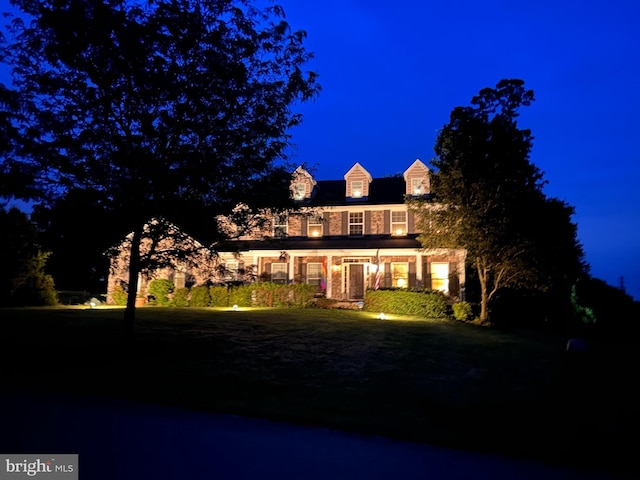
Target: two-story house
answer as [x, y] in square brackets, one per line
[347, 236]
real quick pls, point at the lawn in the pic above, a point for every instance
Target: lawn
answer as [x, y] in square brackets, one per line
[514, 392]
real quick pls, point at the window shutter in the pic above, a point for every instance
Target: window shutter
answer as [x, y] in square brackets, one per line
[411, 222]
[412, 275]
[387, 276]
[387, 221]
[454, 280]
[367, 222]
[345, 223]
[304, 231]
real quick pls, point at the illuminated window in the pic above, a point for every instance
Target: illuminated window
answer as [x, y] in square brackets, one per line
[417, 186]
[280, 226]
[356, 188]
[399, 223]
[356, 223]
[315, 227]
[400, 275]
[300, 191]
[314, 274]
[440, 277]
[279, 272]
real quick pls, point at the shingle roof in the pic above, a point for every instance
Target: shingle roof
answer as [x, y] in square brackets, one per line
[327, 242]
[384, 190]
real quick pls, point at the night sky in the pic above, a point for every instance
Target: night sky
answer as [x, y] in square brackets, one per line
[391, 73]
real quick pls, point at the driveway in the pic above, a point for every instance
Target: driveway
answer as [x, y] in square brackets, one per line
[122, 440]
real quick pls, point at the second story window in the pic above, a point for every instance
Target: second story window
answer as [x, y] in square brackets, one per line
[356, 223]
[315, 227]
[280, 226]
[399, 223]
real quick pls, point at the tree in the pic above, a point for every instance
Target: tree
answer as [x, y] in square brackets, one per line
[163, 108]
[23, 280]
[488, 198]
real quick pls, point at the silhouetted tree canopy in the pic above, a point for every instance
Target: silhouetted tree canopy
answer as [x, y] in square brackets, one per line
[164, 108]
[488, 198]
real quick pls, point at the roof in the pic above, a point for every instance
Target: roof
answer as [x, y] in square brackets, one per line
[381, 191]
[334, 242]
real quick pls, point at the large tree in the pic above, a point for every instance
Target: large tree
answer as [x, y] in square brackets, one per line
[165, 108]
[488, 198]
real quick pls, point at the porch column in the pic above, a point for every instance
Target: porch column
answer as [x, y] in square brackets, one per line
[291, 269]
[329, 276]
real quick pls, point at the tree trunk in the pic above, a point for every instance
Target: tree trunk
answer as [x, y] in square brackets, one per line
[484, 295]
[134, 270]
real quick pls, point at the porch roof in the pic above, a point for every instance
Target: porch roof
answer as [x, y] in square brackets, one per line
[337, 242]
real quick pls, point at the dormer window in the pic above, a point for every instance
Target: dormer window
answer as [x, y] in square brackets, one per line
[299, 191]
[357, 188]
[417, 186]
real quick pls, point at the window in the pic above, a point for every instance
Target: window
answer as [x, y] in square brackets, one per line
[315, 227]
[314, 274]
[356, 188]
[231, 270]
[280, 226]
[440, 277]
[417, 186]
[356, 223]
[399, 223]
[279, 272]
[400, 275]
[300, 191]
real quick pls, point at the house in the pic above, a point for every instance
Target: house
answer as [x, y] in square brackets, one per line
[345, 237]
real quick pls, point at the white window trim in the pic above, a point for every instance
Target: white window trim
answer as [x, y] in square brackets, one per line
[405, 280]
[394, 225]
[356, 224]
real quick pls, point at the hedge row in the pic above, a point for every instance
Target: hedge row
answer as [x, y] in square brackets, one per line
[264, 294]
[431, 304]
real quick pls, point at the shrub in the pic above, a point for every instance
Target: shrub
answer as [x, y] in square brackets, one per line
[119, 296]
[241, 295]
[219, 296]
[181, 297]
[200, 296]
[432, 304]
[462, 311]
[303, 294]
[159, 289]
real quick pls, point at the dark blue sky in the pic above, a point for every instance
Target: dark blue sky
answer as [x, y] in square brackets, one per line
[392, 72]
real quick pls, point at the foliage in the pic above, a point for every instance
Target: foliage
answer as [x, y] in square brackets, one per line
[180, 297]
[23, 280]
[462, 311]
[119, 295]
[219, 296]
[432, 304]
[242, 295]
[487, 198]
[160, 107]
[303, 294]
[160, 288]
[200, 296]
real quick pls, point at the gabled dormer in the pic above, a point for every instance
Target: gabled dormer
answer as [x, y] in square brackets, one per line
[357, 182]
[302, 184]
[416, 179]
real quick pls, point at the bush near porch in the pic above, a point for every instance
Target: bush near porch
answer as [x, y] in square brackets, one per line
[426, 304]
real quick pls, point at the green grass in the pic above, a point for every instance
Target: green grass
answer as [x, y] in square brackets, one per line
[442, 382]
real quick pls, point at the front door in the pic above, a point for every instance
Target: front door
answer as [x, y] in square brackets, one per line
[355, 284]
